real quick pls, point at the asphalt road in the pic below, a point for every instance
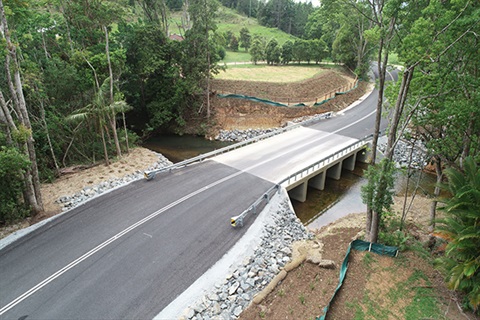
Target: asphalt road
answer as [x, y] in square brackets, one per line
[130, 252]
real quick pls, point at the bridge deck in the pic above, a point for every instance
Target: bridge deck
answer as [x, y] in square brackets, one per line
[276, 158]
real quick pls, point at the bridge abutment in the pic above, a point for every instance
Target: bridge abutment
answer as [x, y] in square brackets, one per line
[299, 193]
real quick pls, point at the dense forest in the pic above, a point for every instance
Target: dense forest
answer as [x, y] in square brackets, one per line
[82, 81]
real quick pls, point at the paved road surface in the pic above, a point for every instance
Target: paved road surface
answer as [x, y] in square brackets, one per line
[129, 253]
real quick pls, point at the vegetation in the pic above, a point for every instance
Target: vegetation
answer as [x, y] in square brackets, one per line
[79, 82]
[460, 229]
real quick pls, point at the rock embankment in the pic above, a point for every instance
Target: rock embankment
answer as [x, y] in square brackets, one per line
[71, 201]
[232, 295]
[408, 153]
[238, 135]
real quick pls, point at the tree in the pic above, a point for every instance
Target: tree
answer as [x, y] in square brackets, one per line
[13, 77]
[300, 50]
[318, 50]
[460, 228]
[245, 38]
[234, 43]
[272, 52]
[287, 52]
[377, 194]
[202, 50]
[257, 51]
[156, 12]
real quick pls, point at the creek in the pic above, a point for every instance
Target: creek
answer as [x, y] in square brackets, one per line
[338, 199]
[178, 148]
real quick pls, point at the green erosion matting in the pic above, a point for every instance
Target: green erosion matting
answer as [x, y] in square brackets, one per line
[358, 245]
[278, 104]
[255, 99]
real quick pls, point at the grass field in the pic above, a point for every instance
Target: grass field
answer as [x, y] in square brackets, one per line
[266, 73]
[230, 20]
[239, 56]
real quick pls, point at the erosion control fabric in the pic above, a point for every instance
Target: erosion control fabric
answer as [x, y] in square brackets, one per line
[358, 245]
[278, 104]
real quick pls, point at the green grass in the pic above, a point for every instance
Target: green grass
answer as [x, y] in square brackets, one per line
[282, 74]
[230, 20]
[239, 56]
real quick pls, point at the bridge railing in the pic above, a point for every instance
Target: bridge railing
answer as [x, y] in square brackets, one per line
[294, 177]
[238, 221]
[150, 174]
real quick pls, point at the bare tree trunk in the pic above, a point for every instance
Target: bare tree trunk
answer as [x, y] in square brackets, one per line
[126, 132]
[113, 122]
[6, 117]
[105, 152]
[374, 228]
[44, 120]
[436, 193]
[208, 68]
[32, 182]
[397, 113]
[368, 226]
[382, 67]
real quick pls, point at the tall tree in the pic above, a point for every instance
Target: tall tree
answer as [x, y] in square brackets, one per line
[245, 38]
[198, 38]
[14, 81]
[257, 51]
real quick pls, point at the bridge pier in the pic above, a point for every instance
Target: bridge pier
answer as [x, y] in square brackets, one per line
[318, 182]
[349, 163]
[335, 172]
[299, 193]
[365, 155]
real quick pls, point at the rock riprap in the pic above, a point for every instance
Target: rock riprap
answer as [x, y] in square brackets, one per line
[72, 201]
[231, 296]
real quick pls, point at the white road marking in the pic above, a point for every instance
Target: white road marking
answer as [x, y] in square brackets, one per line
[74, 263]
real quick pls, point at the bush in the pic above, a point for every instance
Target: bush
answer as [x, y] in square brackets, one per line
[12, 166]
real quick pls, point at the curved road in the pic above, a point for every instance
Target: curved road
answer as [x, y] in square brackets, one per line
[132, 251]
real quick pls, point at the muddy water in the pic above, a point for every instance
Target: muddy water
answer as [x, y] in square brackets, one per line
[178, 148]
[339, 198]
[342, 197]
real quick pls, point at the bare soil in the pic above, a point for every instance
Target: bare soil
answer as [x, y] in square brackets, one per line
[232, 113]
[372, 281]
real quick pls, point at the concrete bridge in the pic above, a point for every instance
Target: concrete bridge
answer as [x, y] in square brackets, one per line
[314, 175]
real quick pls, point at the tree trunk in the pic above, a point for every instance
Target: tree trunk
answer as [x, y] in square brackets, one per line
[113, 122]
[44, 121]
[126, 132]
[374, 228]
[397, 112]
[208, 67]
[105, 152]
[382, 68]
[436, 193]
[368, 225]
[32, 182]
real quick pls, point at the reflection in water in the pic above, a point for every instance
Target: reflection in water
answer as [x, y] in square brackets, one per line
[339, 198]
[178, 148]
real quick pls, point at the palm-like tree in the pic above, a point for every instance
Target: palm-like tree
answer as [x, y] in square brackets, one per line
[101, 114]
[461, 229]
